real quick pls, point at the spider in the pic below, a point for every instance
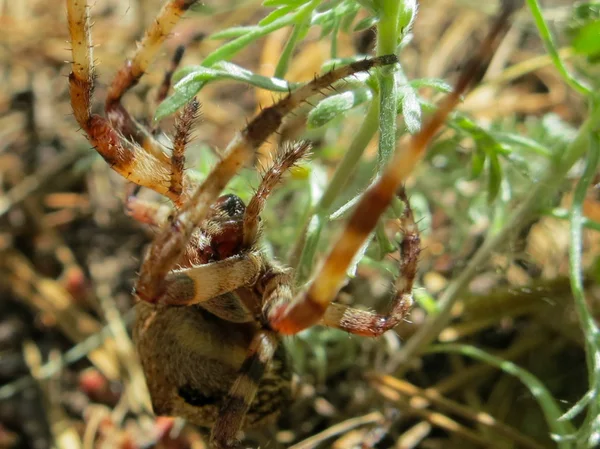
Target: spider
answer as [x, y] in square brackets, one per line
[212, 307]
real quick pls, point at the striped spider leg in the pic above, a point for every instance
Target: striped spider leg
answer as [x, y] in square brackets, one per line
[125, 145]
[370, 324]
[314, 304]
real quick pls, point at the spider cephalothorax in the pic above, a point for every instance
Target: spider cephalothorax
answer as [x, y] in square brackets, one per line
[212, 305]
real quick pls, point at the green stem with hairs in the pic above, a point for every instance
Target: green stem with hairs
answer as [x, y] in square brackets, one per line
[301, 22]
[590, 430]
[387, 41]
[341, 176]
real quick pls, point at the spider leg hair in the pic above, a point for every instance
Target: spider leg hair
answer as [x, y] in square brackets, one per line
[171, 242]
[242, 393]
[183, 126]
[141, 161]
[133, 69]
[309, 306]
[286, 158]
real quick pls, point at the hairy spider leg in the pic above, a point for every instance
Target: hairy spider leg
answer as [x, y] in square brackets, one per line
[150, 167]
[309, 307]
[153, 213]
[133, 69]
[278, 288]
[286, 157]
[242, 393]
[204, 282]
[369, 324]
[183, 126]
[169, 244]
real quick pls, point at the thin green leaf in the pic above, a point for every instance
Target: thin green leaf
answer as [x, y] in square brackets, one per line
[494, 176]
[332, 107]
[178, 99]
[366, 23]
[579, 406]
[426, 301]
[228, 50]
[233, 32]
[482, 137]
[198, 76]
[277, 3]
[477, 162]
[411, 109]
[433, 83]
[587, 40]
[347, 20]
[522, 141]
[327, 26]
[274, 15]
[351, 272]
[345, 209]
[544, 31]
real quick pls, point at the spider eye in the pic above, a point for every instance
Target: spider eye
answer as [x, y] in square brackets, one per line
[232, 205]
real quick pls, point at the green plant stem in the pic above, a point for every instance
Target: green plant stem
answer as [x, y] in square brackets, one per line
[387, 119]
[351, 158]
[302, 20]
[286, 54]
[341, 176]
[229, 49]
[388, 36]
[590, 329]
[334, 42]
[387, 28]
[524, 212]
[546, 36]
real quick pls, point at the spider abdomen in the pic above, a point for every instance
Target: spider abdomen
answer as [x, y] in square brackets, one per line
[191, 359]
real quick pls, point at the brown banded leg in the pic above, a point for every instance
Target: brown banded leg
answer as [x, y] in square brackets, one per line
[369, 324]
[285, 159]
[151, 169]
[205, 282]
[241, 395]
[309, 307]
[131, 72]
[172, 241]
[183, 126]
[276, 288]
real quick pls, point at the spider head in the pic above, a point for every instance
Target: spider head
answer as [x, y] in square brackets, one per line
[229, 207]
[224, 229]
